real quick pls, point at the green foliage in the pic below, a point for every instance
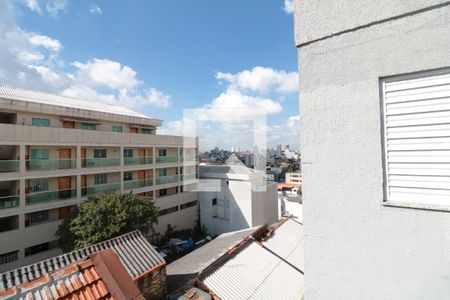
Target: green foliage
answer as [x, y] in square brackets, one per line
[106, 216]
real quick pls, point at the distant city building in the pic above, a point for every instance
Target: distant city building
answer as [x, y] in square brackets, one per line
[293, 178]
[279, 151]
[244, 200]
[57, 151]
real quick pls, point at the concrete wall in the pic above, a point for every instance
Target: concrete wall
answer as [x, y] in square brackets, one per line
[355, 247]
[246, 208]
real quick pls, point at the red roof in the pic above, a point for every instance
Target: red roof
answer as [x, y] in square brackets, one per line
[101, 276]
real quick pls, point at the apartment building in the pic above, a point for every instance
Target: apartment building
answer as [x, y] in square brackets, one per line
[293, 178]
[375, 105]
[57, 151]
[242, 200]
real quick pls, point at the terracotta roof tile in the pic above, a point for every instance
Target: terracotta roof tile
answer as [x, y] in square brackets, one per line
[87, 280]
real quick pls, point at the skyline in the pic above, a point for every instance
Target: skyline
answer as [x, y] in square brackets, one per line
[79, 49]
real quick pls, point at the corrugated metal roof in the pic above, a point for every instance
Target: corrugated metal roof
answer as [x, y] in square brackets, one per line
[133, 249]
[189, 266]
[11, 93]
[287, 242]
[256, 273]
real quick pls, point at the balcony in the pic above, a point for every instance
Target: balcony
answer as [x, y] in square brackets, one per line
[138, 160]
[100, 162]
[47, 196]
[9, 201]
[100, 188]
[50, 164]
[167, 159]
[9, 166]
[135, 184]
[166, 179]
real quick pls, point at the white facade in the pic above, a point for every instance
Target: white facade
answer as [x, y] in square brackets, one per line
[363, 241]
[236, 206]
[57, 151]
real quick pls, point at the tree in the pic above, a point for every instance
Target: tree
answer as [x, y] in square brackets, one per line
[106, 216]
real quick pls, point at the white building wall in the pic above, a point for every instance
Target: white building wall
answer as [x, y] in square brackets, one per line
[356, 247]
[246, 208]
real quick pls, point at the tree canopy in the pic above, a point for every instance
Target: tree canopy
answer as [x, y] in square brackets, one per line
[106, 216]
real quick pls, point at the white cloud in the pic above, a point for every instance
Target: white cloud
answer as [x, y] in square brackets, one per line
[262, 80]
[239, 105]
[293, 123]
[55, 7]
[33, 5]
[95, 9]
[172, 128]
[32, 61]
[106, 72]
[46, 42]
[289, 6]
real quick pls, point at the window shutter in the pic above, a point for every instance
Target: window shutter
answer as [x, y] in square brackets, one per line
[416, 115]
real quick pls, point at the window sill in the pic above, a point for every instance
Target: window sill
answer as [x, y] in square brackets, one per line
[412, 205]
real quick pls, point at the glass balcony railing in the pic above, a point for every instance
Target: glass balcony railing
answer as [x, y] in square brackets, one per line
[9, 166]
[135, 184]
[47, 196]
[50, 164]
[138, 160]
[9, 201]
[167, 159]
[189, 176]
[166, 179]
[100, 188]
[100, 162]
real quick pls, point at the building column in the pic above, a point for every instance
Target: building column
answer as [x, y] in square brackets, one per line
[78, 183]
[78, 158]
[22, 160]
[22, 196]
[121, 171]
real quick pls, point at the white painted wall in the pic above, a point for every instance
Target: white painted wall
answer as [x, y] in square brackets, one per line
[246, 208]
[355, 247]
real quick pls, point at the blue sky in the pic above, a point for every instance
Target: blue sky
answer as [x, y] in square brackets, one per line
[159, 57]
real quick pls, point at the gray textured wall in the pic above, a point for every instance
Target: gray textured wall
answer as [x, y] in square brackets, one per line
[356, 248]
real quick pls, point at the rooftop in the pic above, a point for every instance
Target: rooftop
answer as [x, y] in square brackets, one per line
[134, 251]
[28, 96]
[101, 276]
[189, 266]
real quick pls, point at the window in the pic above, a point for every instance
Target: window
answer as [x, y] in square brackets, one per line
[214, 201]
[189, 204]
[162, 192]
[37, 217]
[416, 123]
[162, 152]
[162, 172]
[117, 128]
[99, 153]
[38, 185]
[166, 211]
[40, 248]
[39, 153]
[8, 257]
[146, 131]
[100, 178]
[127, 152]
[127, 176]
[88, 126]
[40, 122]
